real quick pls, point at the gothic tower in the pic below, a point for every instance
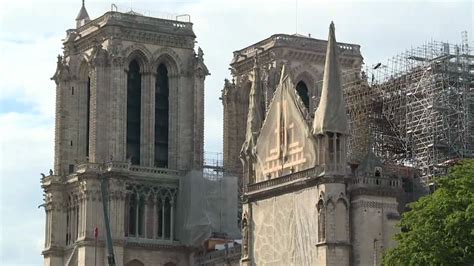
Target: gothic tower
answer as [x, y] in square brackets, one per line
[303, 58]
[296, 211]
[129, 109]
[302, 204]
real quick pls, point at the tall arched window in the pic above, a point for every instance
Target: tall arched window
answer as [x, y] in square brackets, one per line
[132, 215]
[161, 116]
[321, 221]
[134, 92]
[141, 217]
[302, 91]
[167, 219]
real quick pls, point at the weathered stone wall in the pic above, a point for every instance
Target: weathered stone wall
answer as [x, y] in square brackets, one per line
[304, 60]
[372, 227]
[101, 51]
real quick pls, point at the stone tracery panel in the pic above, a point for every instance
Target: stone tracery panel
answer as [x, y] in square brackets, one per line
[150, 211]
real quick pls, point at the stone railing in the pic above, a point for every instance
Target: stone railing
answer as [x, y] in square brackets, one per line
[376, 182]
[312, 172]
[88, 167]
[163, 25]
[149, 241]
[299, 42]
[125, 167]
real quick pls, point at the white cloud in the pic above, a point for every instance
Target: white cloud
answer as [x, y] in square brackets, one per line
[26, 145]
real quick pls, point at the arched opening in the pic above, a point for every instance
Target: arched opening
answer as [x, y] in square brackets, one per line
[167, 219]
[134, 92]
[161, 116]
[83, 92]
[302, 91]
[321, 221]
[136, 215]
[132, 215]
[135, 263]
[68, 223]
[164, 219]
[141, 217]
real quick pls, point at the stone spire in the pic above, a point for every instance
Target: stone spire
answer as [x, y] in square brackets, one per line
[255, 114]
[82, 18]
[331, 114]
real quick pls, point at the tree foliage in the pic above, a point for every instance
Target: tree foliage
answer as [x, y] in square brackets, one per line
[439, 228]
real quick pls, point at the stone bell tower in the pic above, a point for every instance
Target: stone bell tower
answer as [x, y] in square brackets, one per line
[295, 203]
[129, 108]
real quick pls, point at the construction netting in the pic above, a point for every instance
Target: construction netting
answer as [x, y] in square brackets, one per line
[208, 204]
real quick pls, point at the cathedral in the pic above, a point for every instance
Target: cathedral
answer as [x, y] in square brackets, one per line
[129, 186]
[302, 203]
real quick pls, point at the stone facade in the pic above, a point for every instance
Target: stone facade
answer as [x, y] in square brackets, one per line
[302, 204]
[303, 58]
[129, 109]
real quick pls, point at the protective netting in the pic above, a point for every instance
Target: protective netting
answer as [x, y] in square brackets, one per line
[285, 144]
[287, 229]
[207, 205]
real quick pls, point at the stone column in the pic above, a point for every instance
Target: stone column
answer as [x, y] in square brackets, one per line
[118, 110]
[174, 124]
[73, 222]
[145, 217]
[198, 118]
[119, 218]
[147, 143]
[137, 214]
[172, 219]
[163, 218]
[99, 120]
[156, 217]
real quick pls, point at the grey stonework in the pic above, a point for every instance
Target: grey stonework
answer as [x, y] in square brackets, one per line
[302, 204]
[304, 59]
[97, 55]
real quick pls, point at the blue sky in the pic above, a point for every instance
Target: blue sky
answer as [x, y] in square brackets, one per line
[30, 39]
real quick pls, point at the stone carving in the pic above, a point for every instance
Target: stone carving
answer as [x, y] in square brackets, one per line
[134, 48]
[115, 47]
[245, 236]
[99, 56]
[62, 71]
[170, 58]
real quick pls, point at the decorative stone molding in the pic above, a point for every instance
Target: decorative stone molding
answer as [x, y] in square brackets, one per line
[99, 56]
[374, 205]
[62, 71]
[170, 58]
[139, 52]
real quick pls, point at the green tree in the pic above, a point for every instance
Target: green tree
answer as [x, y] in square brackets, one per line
[439, 228]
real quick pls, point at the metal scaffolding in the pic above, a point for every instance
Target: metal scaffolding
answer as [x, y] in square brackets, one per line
[418, 109]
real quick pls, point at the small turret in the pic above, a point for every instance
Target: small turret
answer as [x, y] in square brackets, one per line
[330, 125]
[83, 17]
